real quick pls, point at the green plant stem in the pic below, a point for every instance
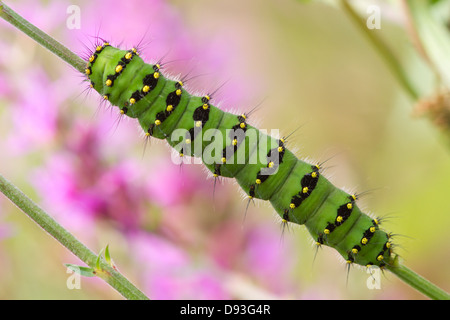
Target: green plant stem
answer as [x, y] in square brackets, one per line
[383, 50]
[41, 37]
[417, 282]
[408, 276]
[102, 269]
[432, 38]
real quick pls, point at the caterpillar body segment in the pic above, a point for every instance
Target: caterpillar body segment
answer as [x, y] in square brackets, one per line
[232, 148]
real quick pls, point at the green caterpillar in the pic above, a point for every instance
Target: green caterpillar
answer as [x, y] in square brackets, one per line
[230, 147]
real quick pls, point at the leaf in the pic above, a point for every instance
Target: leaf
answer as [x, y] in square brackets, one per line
[84, 271]
[108, 256]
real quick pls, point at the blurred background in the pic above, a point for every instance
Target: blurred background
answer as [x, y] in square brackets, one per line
[306, 63]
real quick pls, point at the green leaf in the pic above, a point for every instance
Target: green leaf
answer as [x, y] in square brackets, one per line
[108, 256]
[97, 262]
[84, 271]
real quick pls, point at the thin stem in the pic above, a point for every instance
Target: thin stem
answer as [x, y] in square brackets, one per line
[417, 282]
[42, 38]
[103, 270]
[431, 37]
[383, 50]
[111, 275]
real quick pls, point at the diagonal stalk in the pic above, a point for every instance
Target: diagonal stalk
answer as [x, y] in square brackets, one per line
[383, 50]
[41, 37]
[101, 268]
[411, 278]
[417, 281]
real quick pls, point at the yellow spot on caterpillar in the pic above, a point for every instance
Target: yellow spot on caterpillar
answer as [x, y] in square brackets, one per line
[181, 154]
[354, 251]
[91, 85]
[91, 58]
[372, 229]
[305, 190]
[223, 160]
[205, 106]
[314, 174]
[134, 50]
[270, 164]
[98, 48]
[122, 112]
[250, 197]
[188, 141]
[215, 175]
[292, 206]
[326, 231]
[317, 167]
[128, 55]
[180, 83]
[242, 125]
[132, 100]
[119, 68]
[156, 75]
[375, 221]
[280, 149]
[105, 97]
[146, 89]
[207, 97]
[106, 44]
[354, 197]
[244, 116]
[364, 240]
[198, 124]
[178, 92]
[234, 142]
[318, 244]
[87, 71]
[388, 245]
[157, 122]
[349, 206]
[169, 107]
[349, 261]
[108, 82]
[258, 181]
[284, 220]
[339, 219]
[157, 66]
[380, 257]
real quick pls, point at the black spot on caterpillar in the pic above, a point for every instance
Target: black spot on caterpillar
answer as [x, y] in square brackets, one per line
[232, 148]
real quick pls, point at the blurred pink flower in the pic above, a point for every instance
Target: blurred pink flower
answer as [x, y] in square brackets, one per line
[34, 114]
[48, 15]
[264, 248]
[259, 251]
[5, 87]
[80, 184]
[169, 273]
[168, 184]
[6, 231]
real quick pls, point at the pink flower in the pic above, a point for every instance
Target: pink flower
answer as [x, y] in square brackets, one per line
[79, 183]
[169, 273]
[35, 112]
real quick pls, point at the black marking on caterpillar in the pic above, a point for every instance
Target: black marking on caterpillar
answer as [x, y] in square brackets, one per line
[268, 170]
